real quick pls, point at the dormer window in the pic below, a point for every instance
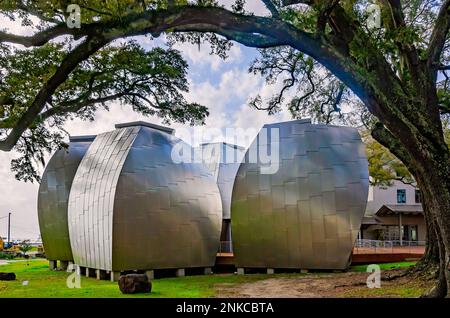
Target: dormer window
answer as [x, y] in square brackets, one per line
[401, 196]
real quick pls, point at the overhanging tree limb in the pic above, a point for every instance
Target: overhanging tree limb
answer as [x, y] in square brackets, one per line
[407, 50]
[388, 140]
[250, 40]
[286, 3]
[78, 106]
[249, 30]
[439, 36]
[80, 53]
[219, 20]
[42, 37]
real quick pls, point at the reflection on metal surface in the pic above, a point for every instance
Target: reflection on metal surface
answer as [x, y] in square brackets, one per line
[54, 195]
[132, 208]
[223, 161]
[306, 215]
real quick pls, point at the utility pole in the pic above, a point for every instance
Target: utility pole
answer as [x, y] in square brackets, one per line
[9, 229]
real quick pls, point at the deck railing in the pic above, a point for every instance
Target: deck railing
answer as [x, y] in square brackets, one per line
[225, 247]
[391, 246]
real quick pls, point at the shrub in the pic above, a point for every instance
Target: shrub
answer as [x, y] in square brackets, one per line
[6, 255]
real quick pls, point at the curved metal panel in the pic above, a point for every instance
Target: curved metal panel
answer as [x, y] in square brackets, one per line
[131, 207]
[91, 203]
[223, 161]
[53, 198]
[307, 214]
[166, 215]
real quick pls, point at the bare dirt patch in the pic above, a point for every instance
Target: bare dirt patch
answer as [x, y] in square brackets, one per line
[350, 284]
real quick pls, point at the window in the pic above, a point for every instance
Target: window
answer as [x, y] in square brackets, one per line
[418, 196]
[412, 235]
[390, 233]
[401, 196]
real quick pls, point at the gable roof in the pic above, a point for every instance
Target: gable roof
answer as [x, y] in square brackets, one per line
[396, 209]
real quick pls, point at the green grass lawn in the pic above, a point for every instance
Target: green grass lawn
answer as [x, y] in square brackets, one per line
[386, 266]
[45, 283]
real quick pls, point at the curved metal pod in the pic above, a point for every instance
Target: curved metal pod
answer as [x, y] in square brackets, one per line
[307, 214]
[132, 208]
[53, 198]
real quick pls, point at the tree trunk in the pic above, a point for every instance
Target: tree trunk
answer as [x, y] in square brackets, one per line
[434, 182]
[440, 289]
[429, 163]
[429, 263]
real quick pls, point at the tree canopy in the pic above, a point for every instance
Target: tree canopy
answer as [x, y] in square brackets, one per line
[335, 53]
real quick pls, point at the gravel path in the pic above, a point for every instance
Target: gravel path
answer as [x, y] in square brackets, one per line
[309, 286]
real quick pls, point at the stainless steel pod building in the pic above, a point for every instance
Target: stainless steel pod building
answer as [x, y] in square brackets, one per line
[132, 207]
[53, 198]
[307, 214]
[223, 161]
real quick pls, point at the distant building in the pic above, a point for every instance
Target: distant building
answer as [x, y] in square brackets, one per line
[394, 213]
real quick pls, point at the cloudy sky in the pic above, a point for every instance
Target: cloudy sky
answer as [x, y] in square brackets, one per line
[223, 86]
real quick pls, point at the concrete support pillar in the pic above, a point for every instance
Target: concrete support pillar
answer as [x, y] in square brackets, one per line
[400, 231]
[63, 265]
[88, 272]
[270, 271]
[115, 276]
[208, 271]
[150, 274]
[101, 274]
[240, 271]
[180, 272]
[52, 264]
[77, 269]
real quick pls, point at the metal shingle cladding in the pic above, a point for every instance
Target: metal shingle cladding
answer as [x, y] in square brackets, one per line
[131, 207]
[53, 197]
[306, 215]
[223, 161]
[92, 197]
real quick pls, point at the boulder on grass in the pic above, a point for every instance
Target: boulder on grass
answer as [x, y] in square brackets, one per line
[7, 276]
[134, 283]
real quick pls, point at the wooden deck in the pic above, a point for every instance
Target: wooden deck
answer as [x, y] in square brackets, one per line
[390, 250]
[387, 255]
[225, 259]
[359, 255]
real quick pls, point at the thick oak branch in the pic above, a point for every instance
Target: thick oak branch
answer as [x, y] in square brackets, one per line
[82, 52]
[439, 36]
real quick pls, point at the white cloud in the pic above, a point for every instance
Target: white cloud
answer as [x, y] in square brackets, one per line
[16, 28]
[246, 117]
[255, 6]
[200, 56]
